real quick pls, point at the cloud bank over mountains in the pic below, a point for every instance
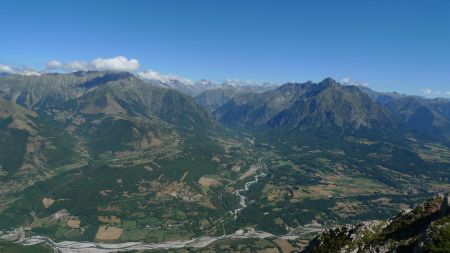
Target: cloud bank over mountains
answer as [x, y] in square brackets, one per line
[349, 81]
[430, 92]
[5, 68]
[122, 63]
[18, 71]
[118, 63]
[153, 75]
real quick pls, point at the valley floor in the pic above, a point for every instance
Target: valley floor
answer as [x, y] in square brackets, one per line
[196, 243]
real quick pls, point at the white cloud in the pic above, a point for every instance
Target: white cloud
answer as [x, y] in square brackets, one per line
[19, 71]
[346, 80]
[28, 72]
[76, 65]
[150, 75]
[349, 81]
[426, 91]
[237, 82]
[6, 68]
[153, 75]
[118, 63]
[54, 64]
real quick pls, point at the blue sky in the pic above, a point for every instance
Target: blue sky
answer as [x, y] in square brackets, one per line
[391, 45]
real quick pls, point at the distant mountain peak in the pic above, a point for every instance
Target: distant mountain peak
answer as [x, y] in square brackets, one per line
[306, 106]
[328, 81]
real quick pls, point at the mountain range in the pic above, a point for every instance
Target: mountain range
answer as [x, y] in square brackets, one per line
[111, 157]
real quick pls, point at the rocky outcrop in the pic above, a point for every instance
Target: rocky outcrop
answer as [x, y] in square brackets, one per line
[426, 228]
